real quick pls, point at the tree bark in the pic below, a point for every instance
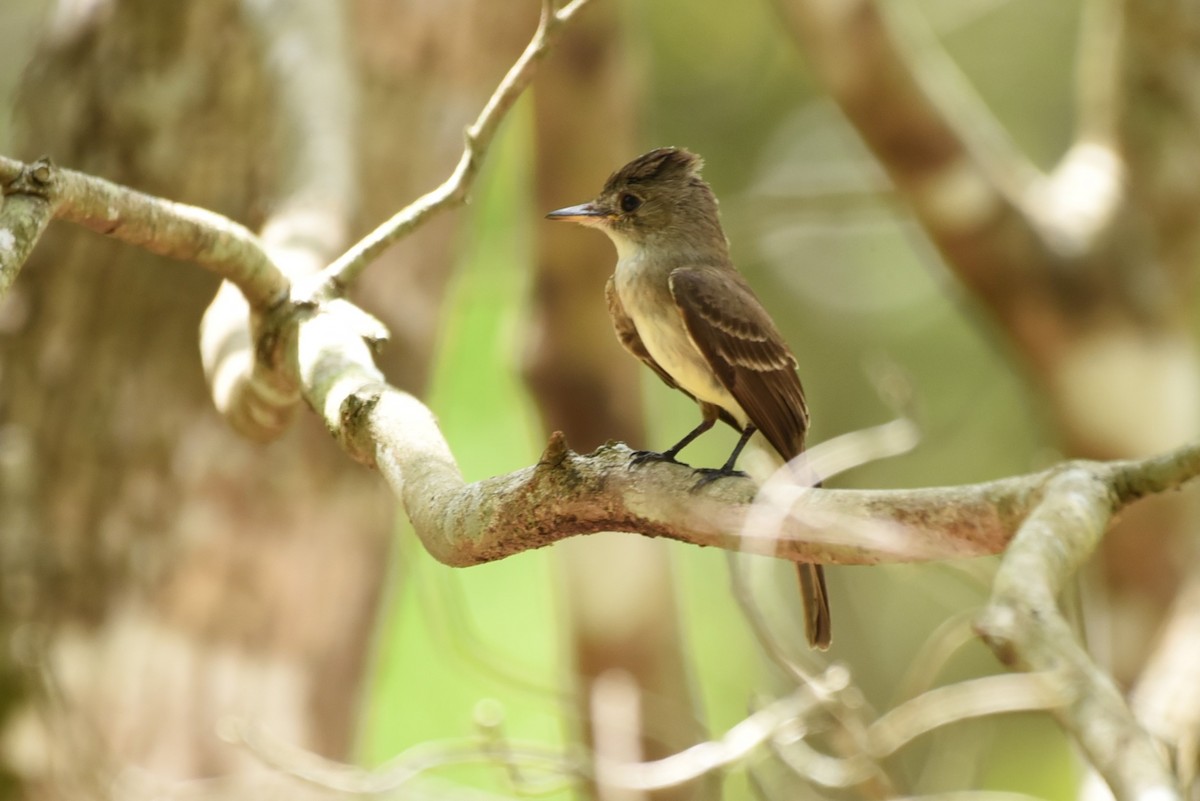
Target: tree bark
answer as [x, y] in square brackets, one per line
[164, 573]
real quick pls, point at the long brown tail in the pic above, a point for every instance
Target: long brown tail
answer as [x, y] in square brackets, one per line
[818, 625]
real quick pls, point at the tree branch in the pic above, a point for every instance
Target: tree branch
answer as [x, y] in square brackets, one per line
[161, 226]
[335, 278]
[1025, 628]
[613, 771]
[25, 211]
[251, 384]
[406, 769]
[566, 493]
[304, 54]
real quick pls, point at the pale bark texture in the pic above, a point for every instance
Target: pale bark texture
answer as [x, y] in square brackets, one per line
[163, 573]
[171, 573]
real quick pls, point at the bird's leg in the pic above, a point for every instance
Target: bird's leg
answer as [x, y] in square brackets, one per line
[641, 457]
[711, 474]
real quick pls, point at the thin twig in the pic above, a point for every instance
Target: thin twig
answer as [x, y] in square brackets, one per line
[989, 695]
[335, 278]
[935, 652]
[856, 770]
[734, 746]
[398, 771]
[489, 721]
[854, 765]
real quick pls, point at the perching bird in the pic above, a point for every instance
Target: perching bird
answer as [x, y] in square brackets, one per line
[678, 304]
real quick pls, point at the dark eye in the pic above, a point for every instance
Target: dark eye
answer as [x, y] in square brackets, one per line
[630, 202]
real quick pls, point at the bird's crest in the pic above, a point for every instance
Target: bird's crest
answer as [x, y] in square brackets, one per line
[657, 165]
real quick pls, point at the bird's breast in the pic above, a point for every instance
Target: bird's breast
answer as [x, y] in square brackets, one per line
[645, 293]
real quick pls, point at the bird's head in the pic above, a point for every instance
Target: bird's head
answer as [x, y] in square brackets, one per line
[658, 198]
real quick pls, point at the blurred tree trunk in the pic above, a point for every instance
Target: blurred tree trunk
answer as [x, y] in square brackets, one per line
[1087, 269]
[619, 591]
[162, 574]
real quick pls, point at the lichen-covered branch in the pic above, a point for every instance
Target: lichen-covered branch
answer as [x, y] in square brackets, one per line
[304, 50]
[334, 279]
[1025, 628]
[567, 493]
[25, 211]
[161, 226]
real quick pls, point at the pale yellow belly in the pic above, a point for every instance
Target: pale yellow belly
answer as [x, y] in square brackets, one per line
[662, 331]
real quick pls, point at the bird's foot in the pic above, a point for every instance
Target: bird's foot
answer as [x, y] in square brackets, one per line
[710, 474]
[641, 457]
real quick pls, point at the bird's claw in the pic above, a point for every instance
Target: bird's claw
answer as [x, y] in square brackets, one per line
[710, 474]
[641, 457]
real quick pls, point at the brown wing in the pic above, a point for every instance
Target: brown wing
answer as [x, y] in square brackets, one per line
[739, 340]
[737, 337]
[628, 335]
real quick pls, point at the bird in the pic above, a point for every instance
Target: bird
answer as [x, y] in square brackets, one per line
[680, 305]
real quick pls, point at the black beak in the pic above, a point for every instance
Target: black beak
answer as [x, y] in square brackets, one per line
[585, 212]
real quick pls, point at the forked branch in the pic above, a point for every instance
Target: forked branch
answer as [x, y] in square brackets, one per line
[334, 279]
[1025, 628]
